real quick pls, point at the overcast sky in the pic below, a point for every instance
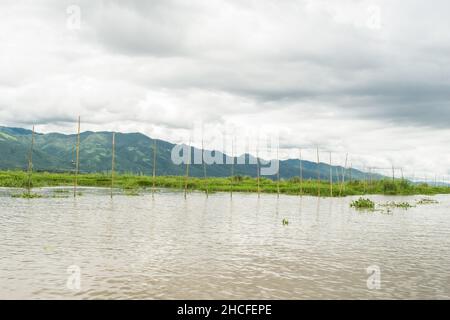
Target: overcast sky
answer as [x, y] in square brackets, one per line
[371, 78]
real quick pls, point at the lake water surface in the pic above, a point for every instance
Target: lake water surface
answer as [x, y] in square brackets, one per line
[168, 247]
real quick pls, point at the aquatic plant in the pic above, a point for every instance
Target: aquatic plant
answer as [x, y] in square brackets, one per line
[363, 203]
[131, 192]
[27, 195]
[285, 222]
[427, 201]
[393, 204]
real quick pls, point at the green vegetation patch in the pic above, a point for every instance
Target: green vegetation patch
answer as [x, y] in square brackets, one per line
[393, 204]
[363, 203]
[27, 195]
[427, 201]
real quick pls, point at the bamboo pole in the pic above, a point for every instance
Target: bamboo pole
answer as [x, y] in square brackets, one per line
[258, 172]
[30, 163]
[345, 173]
[301, 174]
[318, 173]
[77, 163]
[113, 161]
[154, 168]
[350, 172]
[187, 170]
[343, 170]
[232, 169]
[278, 173]
[204, 170]
[331, 178]
[365, 179]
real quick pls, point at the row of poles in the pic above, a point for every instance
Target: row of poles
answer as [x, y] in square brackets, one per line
[341, 176]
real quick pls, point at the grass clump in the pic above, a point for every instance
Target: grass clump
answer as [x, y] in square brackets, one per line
[131, 192]
[27, 195]
[363, 203]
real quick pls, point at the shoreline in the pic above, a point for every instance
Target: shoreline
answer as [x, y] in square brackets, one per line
[132, 184]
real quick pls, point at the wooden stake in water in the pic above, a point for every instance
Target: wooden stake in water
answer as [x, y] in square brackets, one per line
[204, 170]
[187, 170]
[278, 173]
[232, 169]
[318, 173]
[365, 179]
[154, 168]
[331, 178]
[301, 174]
[258, 172]
[77, 162]
[30, 163]
[344, 171]
[350, 172]
[113, 161]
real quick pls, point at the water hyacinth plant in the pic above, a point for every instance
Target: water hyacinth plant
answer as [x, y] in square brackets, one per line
[363, 203]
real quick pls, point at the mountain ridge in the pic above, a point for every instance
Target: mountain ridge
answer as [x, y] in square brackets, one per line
[55, 152]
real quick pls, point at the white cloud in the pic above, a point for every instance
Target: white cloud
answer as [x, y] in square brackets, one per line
[365, 77]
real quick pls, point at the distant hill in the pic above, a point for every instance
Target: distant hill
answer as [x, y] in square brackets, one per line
[55, 152]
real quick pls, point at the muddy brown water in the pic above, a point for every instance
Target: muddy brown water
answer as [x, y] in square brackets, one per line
[168, 247]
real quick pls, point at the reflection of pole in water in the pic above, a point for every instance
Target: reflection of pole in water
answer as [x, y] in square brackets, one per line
[318, 210]
[300, 209]
[258, 205]
[277, 206]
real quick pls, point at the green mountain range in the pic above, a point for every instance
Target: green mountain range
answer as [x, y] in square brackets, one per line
[55, 152]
